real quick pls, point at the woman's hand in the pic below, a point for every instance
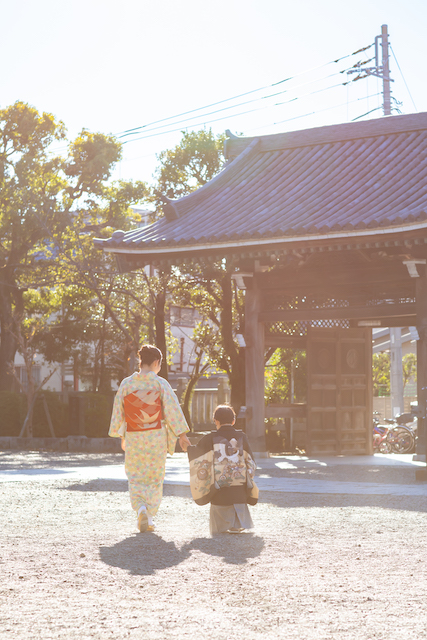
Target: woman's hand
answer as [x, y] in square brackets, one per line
[184, 442]
[123, 444]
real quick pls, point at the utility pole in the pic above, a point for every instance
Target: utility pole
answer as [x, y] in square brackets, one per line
[385, 69]
[380, 70]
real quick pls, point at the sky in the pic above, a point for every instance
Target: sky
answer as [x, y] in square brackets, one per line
[112, 66]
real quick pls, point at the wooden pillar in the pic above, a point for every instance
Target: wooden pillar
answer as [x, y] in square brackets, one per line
[254, 338]
[421, 298]
[396, 377]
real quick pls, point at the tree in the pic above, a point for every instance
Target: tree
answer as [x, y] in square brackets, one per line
[206, 286]
[409, 368]
[210, 289]
[49, 209]
[280, 367]
[381, 373]
[29, 187]
[39, 304]
[189, 165]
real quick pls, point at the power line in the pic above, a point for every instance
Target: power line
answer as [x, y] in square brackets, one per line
[311, 113]
[241, 95]
[234, 115]
[235, 106]
[403, 78]
[367, 113]
[150, 126]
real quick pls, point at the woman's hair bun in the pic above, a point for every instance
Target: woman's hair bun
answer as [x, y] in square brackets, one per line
[148, 354]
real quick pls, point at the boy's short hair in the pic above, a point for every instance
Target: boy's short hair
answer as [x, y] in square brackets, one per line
[224, 414]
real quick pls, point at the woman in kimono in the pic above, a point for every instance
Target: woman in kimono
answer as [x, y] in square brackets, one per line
[147, 417]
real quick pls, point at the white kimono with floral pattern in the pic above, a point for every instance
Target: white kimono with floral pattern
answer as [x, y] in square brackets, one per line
[147, 414]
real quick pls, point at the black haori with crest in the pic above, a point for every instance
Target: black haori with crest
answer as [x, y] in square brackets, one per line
[222, 468]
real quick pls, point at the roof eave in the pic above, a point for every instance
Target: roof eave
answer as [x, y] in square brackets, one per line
[284, 240]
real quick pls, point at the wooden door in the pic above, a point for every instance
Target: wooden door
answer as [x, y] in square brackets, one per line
[339, 394]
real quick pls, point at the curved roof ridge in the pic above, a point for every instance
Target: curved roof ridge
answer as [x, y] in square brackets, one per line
[332, 133]
[373, 180]
[228, 166]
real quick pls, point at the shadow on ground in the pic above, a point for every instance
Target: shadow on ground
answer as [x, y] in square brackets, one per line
[145, 554]
[339, 501]
[232, 549]
[99, 484]
[47, 460]
[109, 484]
[283, 500]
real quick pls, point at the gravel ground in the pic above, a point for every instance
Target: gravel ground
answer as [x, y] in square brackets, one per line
[316, 566]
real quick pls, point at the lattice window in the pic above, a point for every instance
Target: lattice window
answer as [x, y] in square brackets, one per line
[282, 302]
[299, 328]
[278, 302]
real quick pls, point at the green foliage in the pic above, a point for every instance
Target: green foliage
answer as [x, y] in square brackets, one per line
[91, 158]
[206, 287]
[381, 373]
[409, 368]
[189, 165]
[49, 209]
[278, 373]
[210, 289]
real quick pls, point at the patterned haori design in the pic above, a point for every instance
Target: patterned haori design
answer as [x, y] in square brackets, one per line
[201, 475]
[147, 414]
[217, 463]
[229, 461]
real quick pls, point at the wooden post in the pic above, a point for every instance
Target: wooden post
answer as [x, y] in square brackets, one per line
[254, 338]
[396, 377]
[421, 298]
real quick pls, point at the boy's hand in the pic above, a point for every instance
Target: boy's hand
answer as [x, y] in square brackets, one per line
[184, 442]
[123, 444]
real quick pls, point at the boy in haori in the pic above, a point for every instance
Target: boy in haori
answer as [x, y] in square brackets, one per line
[147, 417]
[221, 472]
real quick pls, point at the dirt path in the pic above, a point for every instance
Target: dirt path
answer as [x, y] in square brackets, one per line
[336, 566]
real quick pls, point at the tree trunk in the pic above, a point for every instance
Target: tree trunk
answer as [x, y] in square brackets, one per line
[104, 378]
[8, 342]
[187, 400]
[160, 325]
[236, 357]
[27, 427]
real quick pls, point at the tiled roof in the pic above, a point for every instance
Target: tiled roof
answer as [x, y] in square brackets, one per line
[347, 179]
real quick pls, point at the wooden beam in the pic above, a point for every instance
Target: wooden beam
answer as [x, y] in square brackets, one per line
[286, 411]
[326, 276]
[340, 313]
[397, 321]
[284, 342]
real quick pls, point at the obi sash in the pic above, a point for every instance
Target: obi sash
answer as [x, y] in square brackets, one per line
[143, 410]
